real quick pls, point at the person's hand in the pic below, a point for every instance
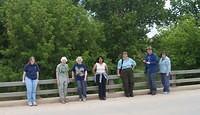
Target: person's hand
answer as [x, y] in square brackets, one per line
[144, 61]
[37, 81]
[147, 62]
[85, 79]
[167, 74]
[57, 81]
[23, 81]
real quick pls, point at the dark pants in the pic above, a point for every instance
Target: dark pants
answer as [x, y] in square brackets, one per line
[101, 85]
[165, 82]
[152, 82]
[127, 77]
[82, 88]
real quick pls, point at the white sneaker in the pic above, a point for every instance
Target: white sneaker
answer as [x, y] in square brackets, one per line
[84, 99]
[34, 103]
[165, 93]
[30, 104]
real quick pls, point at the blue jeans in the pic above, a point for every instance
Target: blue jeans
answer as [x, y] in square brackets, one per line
[31, 87]
[82, 88]
[152, 81]
[165, 82]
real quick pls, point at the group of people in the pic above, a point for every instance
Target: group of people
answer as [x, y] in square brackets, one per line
[125, 69]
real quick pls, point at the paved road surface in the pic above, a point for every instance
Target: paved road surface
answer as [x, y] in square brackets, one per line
[176, 103]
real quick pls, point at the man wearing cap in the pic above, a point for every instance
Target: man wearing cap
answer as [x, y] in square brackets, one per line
[151, 63]
[62, 79]
[125, 71]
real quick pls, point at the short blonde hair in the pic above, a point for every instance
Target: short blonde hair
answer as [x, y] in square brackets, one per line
[79, 58]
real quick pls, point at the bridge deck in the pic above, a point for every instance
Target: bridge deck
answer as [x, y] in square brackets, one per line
[176, 103]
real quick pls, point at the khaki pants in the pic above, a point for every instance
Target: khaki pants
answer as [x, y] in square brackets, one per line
[62, 87]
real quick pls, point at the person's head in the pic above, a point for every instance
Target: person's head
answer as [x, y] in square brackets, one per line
[63, 60]
[79, 59]
[31, 60]
[163, 55]
[149, 50]
[125, 54]
[100, 59]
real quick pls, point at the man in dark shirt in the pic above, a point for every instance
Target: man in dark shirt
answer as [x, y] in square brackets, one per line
[151, 67]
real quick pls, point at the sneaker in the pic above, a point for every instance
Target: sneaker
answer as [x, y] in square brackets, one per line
[84, 99]
[30, 104]
[63, 102]
[165, 93]
[131, 95]
[66, 100]
[153, 93]
[34, 103]
[149, 93]
[80, 99]
[104, 98]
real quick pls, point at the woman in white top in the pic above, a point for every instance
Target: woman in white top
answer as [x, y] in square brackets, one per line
[100, 70]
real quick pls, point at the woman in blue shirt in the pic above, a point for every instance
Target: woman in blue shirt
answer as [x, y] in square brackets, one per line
[30, 78]
[125, 71]
[165, 69]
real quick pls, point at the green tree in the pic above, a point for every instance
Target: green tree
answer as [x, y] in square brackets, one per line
[185, 7]
[46, 29]
[125, 23]
[182, 42]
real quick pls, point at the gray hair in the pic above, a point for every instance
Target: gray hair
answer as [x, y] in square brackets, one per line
[63, 59]
[79, 59]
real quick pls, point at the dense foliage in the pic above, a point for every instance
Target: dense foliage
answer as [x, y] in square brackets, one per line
[49, 29]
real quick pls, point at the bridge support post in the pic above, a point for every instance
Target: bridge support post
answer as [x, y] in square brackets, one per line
[110, 83]
[173, 80]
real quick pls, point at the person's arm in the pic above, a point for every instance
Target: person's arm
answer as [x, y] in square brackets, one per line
[72, 74]
[38, 70]
[57, 70]
[24, 73]
[86, 72]
[38, 75]
[119, 65]
[67, 74]
[145, 60]
[106, 68]
[85, 78]
[23, 77]
[94, 68]
[168, 64]
[133, 63]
